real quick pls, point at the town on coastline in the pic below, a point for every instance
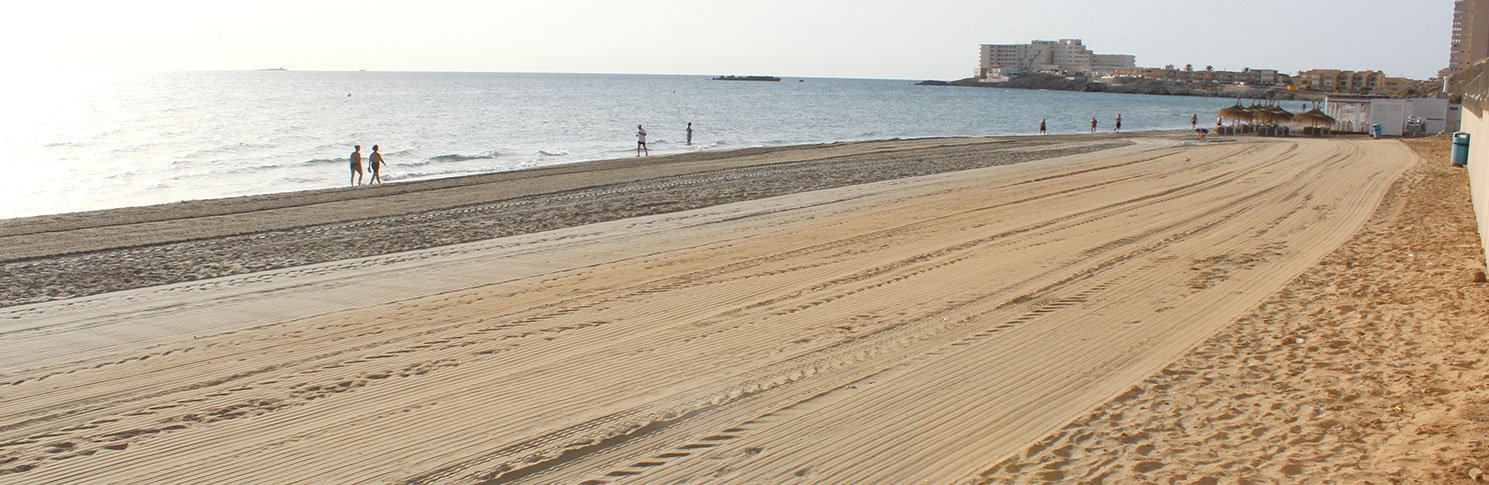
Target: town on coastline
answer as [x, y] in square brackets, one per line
[1355, 101]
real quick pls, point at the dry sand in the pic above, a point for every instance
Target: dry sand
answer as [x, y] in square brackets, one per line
[1368, 368]
[915, 329]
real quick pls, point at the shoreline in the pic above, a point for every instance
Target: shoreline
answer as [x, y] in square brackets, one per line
[272, 200]
[79, 254]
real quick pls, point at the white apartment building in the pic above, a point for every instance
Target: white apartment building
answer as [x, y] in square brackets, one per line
[1065, 55]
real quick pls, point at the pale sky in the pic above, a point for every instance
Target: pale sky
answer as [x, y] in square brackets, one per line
[902, 39]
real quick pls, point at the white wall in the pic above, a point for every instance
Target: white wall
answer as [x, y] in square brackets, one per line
[1432, 111]
[1390, 113]
[1478, 166]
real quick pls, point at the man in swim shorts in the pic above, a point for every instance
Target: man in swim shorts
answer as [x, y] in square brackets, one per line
[356, 160]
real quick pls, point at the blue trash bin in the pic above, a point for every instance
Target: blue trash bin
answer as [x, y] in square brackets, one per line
[1375, 130]
[1460, 148]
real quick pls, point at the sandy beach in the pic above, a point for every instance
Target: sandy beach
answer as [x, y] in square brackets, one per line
[1122, 308]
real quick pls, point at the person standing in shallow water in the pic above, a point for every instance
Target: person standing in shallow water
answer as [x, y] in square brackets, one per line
[1093, 124]
[1041, 126]
[641, 141]
[690, 133]
[1194, 121]
[375, 164]
[1119, 123]
[356, 160]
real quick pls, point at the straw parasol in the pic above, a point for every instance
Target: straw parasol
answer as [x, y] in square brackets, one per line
[1235, 113]
[1279, 115]
[1313, 118]
[1264, 115]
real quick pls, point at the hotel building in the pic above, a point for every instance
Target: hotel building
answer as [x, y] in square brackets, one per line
[1064, 55]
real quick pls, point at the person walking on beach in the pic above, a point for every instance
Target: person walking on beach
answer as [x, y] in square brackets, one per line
[690, 133]
[1041, 126]
[641, 141]
[1119, 123]
[1093, 124]
[375, 163]
[356, 160]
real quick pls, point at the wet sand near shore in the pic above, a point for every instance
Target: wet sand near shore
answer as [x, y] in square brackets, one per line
[906, 329]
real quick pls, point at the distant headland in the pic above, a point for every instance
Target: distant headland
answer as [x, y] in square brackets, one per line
[748, 78]
[1051, 82]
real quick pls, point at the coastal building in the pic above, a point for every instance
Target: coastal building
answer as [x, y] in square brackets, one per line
[1358, 82]
[1470, 36]
[1189, 74]
[1063, 56]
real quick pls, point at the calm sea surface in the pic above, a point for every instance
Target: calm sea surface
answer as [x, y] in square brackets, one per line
[81, 143]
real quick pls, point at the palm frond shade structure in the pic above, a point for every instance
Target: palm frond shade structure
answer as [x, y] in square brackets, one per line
[1263, 115]
[1235, 113]
[1313, 118]
[1251, 113]
[1279, 114]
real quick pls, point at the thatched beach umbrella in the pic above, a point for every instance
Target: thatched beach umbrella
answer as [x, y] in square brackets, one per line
[1261, 114]
[1279, 114]
[1313, 118]
[1235, 113]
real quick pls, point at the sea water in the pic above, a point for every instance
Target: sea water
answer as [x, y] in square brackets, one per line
[85, 142]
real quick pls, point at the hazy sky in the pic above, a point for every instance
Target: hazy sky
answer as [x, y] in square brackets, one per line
[903, 39]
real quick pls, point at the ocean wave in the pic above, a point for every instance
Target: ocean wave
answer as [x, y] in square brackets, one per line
[334, 146]
[121, 174]
[229, 149]
[325, 161]
[419, 174]
[246, 168]
[456, 157]
[555, 153]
